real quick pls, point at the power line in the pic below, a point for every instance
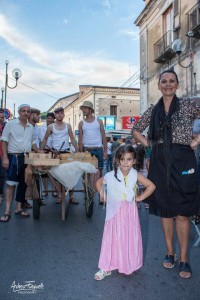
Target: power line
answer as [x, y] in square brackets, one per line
[30, 87]
[132, 79]
[130, 84]
[37, 90]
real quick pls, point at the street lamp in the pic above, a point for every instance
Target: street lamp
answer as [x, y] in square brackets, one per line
[2, 91]
[16, 73]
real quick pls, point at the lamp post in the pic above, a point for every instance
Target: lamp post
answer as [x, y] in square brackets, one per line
[16, 74]
[2, 91]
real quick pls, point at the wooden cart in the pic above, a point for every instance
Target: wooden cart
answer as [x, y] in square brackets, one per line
[42, 164]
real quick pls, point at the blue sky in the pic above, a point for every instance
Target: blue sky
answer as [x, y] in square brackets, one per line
[61, 44]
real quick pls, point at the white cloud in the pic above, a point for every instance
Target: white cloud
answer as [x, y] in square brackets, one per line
[57, 73]
[66, 21]
[107, 4]
[134, 35]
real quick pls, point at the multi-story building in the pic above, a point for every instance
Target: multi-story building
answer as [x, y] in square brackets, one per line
[110, 103]
[169, 38]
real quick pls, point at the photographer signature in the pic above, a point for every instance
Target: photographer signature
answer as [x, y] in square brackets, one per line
[29, 287]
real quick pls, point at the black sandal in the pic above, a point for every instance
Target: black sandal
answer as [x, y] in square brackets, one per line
[6, 218]
[26, 205]
[169, 259]
[22, 213]
[185, 267]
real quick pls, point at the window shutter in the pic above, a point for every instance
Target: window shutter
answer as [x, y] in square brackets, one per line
[176, 7]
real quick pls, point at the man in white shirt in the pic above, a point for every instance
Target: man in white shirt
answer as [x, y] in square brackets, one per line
[109, 161]
[34, 119]
[92, 135]
[49, 120]
[60, 133]
[17, 139]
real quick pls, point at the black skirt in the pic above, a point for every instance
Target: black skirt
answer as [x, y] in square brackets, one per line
[181, 197]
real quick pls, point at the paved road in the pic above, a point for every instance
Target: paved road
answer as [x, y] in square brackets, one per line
[61, 259]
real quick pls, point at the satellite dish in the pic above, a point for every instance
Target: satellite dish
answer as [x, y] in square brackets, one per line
[178, 46]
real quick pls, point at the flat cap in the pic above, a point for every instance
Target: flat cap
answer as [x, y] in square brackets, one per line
[35, 111]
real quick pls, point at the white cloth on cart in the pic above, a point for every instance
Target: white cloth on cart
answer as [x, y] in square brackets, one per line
[68, 174]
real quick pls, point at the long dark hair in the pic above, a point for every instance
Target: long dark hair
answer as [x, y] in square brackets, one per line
[119, 153]
[140, 157]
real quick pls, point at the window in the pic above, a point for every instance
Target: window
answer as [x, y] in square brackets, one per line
[176, 14]
[168, 26]
[113, 110]
[167, 16]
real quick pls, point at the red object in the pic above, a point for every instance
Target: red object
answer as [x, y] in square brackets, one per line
[128, 121]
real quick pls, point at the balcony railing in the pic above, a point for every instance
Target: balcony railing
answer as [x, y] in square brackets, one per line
[193, 16]
[163, 48]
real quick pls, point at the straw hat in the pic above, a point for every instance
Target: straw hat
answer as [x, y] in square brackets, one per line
[87, 104]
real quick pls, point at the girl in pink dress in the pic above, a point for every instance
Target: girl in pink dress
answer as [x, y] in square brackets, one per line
[121, 247]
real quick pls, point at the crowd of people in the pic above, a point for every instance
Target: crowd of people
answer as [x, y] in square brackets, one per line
[159, 167]
[22, 135]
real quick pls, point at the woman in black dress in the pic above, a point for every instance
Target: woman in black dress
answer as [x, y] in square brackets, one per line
[173, 166]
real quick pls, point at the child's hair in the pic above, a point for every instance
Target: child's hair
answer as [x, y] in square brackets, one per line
[119, 155]
[140, 157]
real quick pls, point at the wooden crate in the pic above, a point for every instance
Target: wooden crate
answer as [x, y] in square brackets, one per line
[84, 157]
[41, 159]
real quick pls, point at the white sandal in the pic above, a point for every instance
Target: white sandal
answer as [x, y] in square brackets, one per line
[100, 275]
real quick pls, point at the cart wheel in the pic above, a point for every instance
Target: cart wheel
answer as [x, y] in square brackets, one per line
[36, 209]
[89, 198]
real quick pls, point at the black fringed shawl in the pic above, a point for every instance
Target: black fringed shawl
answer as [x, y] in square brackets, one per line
[160, 129]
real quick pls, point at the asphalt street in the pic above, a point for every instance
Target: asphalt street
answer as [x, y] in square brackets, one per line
[50, 259]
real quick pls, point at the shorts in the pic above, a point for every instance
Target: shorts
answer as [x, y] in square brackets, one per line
[16, 168]
[98, 153]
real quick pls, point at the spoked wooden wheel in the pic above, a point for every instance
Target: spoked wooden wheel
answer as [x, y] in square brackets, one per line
[89, 196]
[36, 209]
[36, 202]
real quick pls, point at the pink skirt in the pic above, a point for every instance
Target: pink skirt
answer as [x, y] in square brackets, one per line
[121, 247]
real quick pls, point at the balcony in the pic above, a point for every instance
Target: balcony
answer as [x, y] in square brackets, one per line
[163, 48]
[193, 16]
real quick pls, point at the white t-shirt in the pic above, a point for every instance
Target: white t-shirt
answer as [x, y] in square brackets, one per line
[43, 130]
[19, 138]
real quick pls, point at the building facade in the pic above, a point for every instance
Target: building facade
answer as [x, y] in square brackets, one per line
[169, 38]
[107, 101]
[64, 101]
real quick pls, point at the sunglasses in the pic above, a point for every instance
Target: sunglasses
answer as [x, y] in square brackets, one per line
[25, 110]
